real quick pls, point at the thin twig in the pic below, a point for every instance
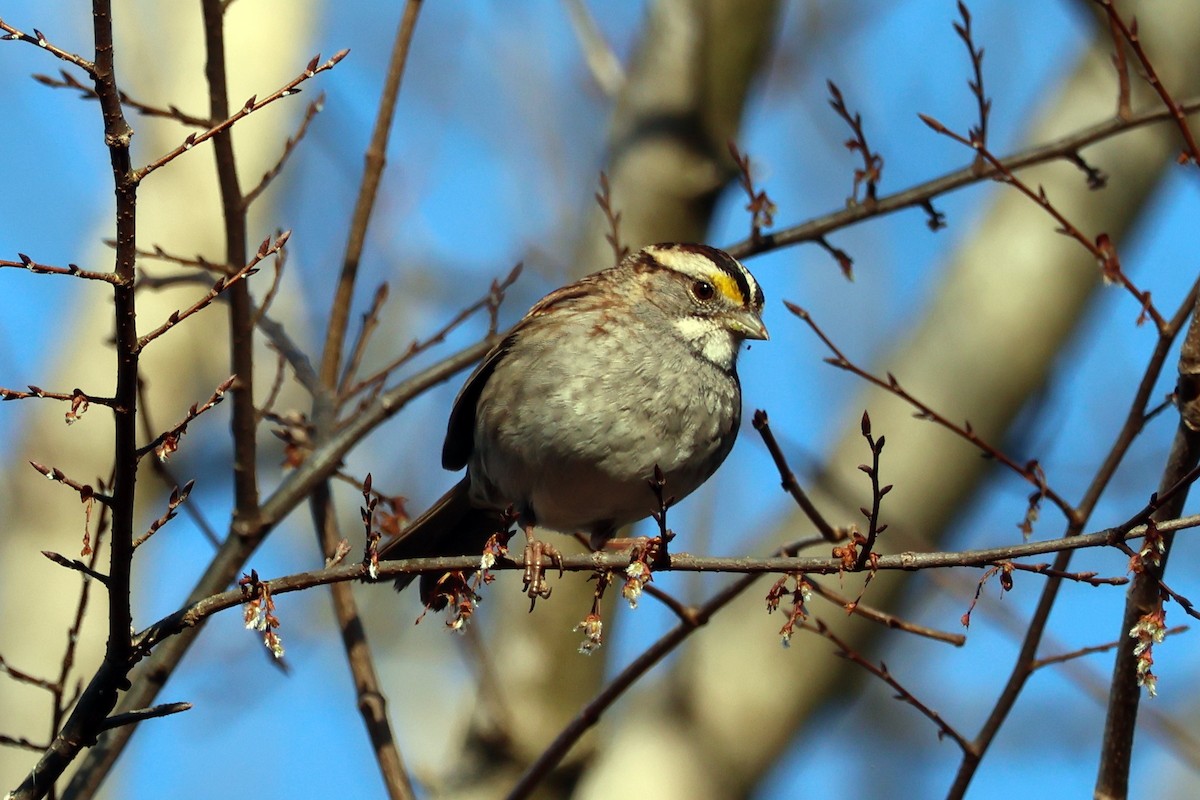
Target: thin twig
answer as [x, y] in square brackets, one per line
[1129, 33]
[178, 497]
[169, 480]
[874, 528]
[881, 671]
[20, 676]
[872, 169]
[77, 565]
[296, 358]
[69, 81]
[1062, 658]
[39, 39]
[159, 254]
[370, 322]
[978, 133]
[79, 400]
[268, 407]
[22, 743]
[222, 285]
[488, 302]
[790, 484]
[1100, 248]
[1030, 471]
[72, 270]
[134, 717]
[249, 107]
[167, 442]
[761, 207]
[921, 195]
[273, 290]
[289, 147]
[86, 490]
[884, 618]
[612, 217]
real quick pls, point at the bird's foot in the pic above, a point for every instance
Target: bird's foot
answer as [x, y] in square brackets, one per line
[535, 585]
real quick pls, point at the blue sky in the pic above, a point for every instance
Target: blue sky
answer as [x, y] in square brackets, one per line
[483, 170]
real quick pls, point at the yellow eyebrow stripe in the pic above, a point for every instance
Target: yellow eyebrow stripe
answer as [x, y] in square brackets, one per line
[728, 287]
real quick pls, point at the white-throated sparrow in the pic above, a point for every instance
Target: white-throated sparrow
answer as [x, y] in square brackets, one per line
[565, 420]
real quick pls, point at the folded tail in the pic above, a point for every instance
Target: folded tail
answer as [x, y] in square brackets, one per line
[451, 527]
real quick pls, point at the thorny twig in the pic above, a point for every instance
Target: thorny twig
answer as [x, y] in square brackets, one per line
[167, 442]
[249, 107]
[222, 284]
[1130, 34]
[922, 195]
[289, 147]
[761, 207]
[881, 671]
[39, 39]
[1101, 248]
[874, 528]
[978, 132]
[866, 177]
[1031, 471]
[69, 81]
[72, 270]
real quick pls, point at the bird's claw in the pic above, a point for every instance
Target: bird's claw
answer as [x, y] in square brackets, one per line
[535, 584]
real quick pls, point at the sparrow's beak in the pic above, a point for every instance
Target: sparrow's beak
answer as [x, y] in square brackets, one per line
[747, 325]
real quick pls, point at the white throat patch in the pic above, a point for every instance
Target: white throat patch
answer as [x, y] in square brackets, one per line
[713, 341]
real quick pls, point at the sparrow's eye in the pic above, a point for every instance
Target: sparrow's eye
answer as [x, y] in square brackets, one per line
[703, 291]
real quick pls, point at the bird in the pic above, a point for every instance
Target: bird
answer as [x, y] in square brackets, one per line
[629, 371]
